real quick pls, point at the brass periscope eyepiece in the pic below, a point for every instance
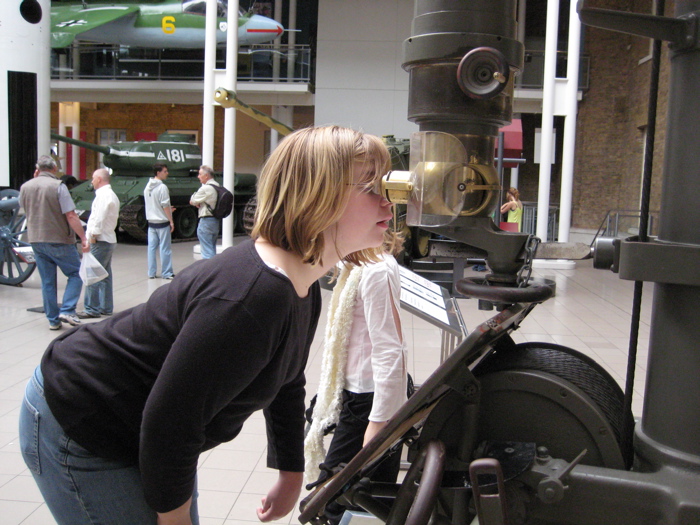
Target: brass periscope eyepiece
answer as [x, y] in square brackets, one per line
[396, 186]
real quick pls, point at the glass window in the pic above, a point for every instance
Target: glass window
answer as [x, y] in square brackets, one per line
[199, 7]
[106, 137]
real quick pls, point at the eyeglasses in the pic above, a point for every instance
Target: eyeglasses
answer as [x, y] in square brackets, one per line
[372, 188]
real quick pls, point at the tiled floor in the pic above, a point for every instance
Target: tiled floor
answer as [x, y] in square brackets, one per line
[590, 313]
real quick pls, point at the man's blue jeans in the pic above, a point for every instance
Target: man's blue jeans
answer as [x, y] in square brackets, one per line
[207, 232]
[50, 256]
[159, 238]
[79, 488]
[99, 299]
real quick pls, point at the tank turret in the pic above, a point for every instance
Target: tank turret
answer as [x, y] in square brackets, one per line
[131, 164]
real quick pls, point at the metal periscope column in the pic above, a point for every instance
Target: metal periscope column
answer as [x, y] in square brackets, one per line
[462, 58]
[669, 433]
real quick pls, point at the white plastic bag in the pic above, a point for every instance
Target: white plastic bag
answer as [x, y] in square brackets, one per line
[91, 271]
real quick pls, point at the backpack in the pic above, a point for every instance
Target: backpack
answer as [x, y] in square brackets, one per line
[224, 202]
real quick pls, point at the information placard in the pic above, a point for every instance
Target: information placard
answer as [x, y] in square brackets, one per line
[431, 302]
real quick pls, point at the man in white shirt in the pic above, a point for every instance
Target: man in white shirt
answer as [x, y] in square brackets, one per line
[101, 234]
[205, 199]
[159, 214]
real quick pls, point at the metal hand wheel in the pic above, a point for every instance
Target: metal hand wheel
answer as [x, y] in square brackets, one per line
[16, 256]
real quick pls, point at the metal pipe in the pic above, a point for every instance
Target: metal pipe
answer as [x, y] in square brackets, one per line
[547, 135]
[209, 65]
[571, 104]
[230, 119]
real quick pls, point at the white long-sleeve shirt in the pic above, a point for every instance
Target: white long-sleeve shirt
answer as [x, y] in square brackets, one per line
[103, 215]
[377, 355]
[206, 197]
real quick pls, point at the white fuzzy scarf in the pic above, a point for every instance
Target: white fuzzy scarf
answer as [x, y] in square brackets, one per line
[335, 355]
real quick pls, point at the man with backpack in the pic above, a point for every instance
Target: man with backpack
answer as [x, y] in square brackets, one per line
[205, 198]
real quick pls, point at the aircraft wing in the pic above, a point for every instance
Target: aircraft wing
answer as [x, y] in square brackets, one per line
[69, 21]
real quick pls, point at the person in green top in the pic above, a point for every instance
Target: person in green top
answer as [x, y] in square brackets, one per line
[513, 207]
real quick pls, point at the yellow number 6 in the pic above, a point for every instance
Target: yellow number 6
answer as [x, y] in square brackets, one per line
[168, 24]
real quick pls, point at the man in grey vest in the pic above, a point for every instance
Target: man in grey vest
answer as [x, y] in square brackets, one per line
[51, 227]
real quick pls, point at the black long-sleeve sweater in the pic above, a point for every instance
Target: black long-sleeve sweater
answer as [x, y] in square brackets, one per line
[160, 383]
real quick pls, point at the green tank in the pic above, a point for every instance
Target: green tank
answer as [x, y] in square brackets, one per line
[132, 166]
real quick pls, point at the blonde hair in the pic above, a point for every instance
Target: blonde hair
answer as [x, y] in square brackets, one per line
[305, 187]
[514, 192]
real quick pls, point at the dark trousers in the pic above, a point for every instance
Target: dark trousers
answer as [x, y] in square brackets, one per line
[347, 442]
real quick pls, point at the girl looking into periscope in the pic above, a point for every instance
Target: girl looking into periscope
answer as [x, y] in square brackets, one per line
[116, 415]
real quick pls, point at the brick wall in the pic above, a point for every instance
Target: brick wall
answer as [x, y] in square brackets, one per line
[612, 119]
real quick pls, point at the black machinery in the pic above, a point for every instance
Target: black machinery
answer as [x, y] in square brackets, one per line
[16, 255]
[536, 433]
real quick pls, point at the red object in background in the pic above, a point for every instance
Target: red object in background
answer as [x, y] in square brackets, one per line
[145, 135]
[509, 226]
[512, 142]
[68, 161]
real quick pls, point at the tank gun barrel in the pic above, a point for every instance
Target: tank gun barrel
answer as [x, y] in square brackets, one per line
[106, 150]
[228, 99]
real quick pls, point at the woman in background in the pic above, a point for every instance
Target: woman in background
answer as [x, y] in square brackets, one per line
[513, 207]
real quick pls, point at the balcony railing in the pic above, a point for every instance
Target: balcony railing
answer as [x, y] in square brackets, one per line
[261, 63]
[256, 63]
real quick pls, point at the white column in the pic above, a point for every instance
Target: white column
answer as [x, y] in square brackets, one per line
[547, 145]
[571, 109]
[230, 117]
[25, 48]
[43, 84]
[514, 173]
[209, 65]
[284, 114]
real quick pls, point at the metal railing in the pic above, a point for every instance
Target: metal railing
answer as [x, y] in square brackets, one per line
[530, 220]
[625, 221]
[109, 62]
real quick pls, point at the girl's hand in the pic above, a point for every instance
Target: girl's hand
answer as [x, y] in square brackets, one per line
[282, 497]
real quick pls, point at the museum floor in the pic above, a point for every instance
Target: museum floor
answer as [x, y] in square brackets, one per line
[590, 313]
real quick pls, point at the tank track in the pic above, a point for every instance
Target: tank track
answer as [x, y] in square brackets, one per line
[128, 220]
[248, 218]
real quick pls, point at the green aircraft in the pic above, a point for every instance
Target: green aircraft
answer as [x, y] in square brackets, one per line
[156, 24]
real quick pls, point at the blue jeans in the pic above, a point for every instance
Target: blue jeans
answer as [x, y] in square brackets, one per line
[207, 232]
[50, 256]
[159, 238]
[98, 296]
[79, 488]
